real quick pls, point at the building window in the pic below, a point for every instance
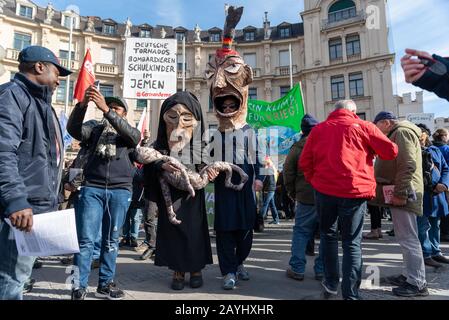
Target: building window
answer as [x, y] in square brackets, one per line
[250, 36]
[180, 60]
[338, 87]
[179, 36]
[211, 104]
[356, 85]
[64, 54]
[284, 90]
[26, 12]
[145, 33]
[342, 10]
[107, 90]
[21, 41]
[60, 93]
[335, 49]
[353, 45]
[362, 115]
[109, 29]
[252, 93]
[108, 56]
[284, 58]
[215, 37]
[67, 22]
[250, 59]
[141, 103]
[284, 32]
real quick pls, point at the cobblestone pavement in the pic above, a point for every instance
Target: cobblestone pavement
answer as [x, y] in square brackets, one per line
[267, 264]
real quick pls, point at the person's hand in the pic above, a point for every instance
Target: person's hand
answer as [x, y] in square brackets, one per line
[413, 68]
[258, 185]
[440, 188]
[170, 168]
[22, 220]
[398, 202]
[95, 95]
[212, 174]
[69, 187]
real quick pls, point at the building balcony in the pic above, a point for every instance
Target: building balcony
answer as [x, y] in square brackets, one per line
[285, 70]
[179, 74]
[359, 17]
[12, 54]
[257, 72]
[74, 65]
[336, 61]
[109, 69]
[354, 57]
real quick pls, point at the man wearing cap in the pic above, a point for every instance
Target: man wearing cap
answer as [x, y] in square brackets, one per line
[31, 155]
[337, 161]
[306, 218]
[400, 187]
[105, 196]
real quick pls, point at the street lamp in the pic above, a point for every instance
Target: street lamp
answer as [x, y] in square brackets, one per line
[71, 12]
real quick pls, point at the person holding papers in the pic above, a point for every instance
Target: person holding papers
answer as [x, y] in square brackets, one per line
[31, 153]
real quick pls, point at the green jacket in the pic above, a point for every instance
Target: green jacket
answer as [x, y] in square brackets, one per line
[405, 172]
[295, 183]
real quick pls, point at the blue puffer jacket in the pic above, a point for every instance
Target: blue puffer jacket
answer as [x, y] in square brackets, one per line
[439, 84]
[436, 205]
[29, 172]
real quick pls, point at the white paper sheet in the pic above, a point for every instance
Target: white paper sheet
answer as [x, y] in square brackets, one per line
[53, 234]
[388, 194]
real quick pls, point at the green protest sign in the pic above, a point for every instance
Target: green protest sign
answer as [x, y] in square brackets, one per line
[285, 112]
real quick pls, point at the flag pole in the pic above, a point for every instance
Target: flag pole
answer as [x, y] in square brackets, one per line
[184, 63]
[291, 65]
[67, 82]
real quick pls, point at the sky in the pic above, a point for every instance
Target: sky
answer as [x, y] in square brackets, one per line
[419, 24]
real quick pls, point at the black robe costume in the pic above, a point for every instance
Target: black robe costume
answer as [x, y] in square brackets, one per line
[185, 247]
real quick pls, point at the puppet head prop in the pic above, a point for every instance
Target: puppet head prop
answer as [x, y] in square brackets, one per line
[228, 78]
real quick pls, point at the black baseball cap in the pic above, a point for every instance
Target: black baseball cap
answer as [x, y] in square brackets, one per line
[384, 115]
[38, 53]
[121, 102]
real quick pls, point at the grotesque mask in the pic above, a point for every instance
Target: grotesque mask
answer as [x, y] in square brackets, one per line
[228, 78]
[181, 124]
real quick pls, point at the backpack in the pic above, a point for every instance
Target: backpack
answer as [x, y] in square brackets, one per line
[427, 167]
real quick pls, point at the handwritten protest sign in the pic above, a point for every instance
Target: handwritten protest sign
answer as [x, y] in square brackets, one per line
[150, 68]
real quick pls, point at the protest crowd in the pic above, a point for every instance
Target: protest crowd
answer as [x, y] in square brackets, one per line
[340, 170]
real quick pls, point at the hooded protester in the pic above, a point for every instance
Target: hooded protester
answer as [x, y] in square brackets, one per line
[184, 247]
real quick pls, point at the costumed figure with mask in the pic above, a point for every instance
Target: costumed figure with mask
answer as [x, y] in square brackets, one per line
[235, 212]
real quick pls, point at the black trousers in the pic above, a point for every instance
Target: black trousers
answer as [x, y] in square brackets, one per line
[444, 226]
[149, 224]
[233, 247]
[375, 216]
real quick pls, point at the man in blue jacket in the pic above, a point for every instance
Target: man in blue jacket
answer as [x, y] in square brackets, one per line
[428, 72]
[31, 158]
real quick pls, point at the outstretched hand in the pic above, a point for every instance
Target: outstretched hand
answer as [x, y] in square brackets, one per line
[413, 67]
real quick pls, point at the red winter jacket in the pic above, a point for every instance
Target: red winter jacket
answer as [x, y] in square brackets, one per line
[339, 154]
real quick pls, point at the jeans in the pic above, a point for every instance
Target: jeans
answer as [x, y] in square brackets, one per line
[406, 234]
[429, 236]
[350, 213]
[269, 202]
[14, 270]
[99, 207]
[132, 223]
[306, 220]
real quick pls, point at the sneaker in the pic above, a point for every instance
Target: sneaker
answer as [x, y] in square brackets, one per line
[95, 264]
[441, 259]
[147, 254]
[67, 261]
[390, 233]
[396, 280]
[178, 281]
[242, 273]
[229, 281]
[295, 275]
[79, 294]
[409, 290]
[110, 291]
[142, 247]
[274, 222]
[432, 263]
[37, 264]
[124, 242]
[133, 243]
[328, 290]
[28, 286]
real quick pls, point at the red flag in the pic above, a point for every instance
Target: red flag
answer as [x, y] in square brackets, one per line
[86, 77]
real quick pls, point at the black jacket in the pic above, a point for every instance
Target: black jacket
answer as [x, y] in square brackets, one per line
[439, 84]
[116, 173]
[269, 183]
[29, 132]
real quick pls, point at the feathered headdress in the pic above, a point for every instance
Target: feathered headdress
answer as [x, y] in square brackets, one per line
[232, 19]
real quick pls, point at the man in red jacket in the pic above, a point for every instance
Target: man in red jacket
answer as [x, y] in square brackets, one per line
[338, 161]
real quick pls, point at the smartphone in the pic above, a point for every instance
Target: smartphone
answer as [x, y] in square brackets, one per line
[434, 66]
[97, 84]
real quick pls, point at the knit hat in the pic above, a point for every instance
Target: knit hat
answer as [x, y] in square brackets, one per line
[232, 19]
[424, 128]
[307, 124]
[384, 115]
